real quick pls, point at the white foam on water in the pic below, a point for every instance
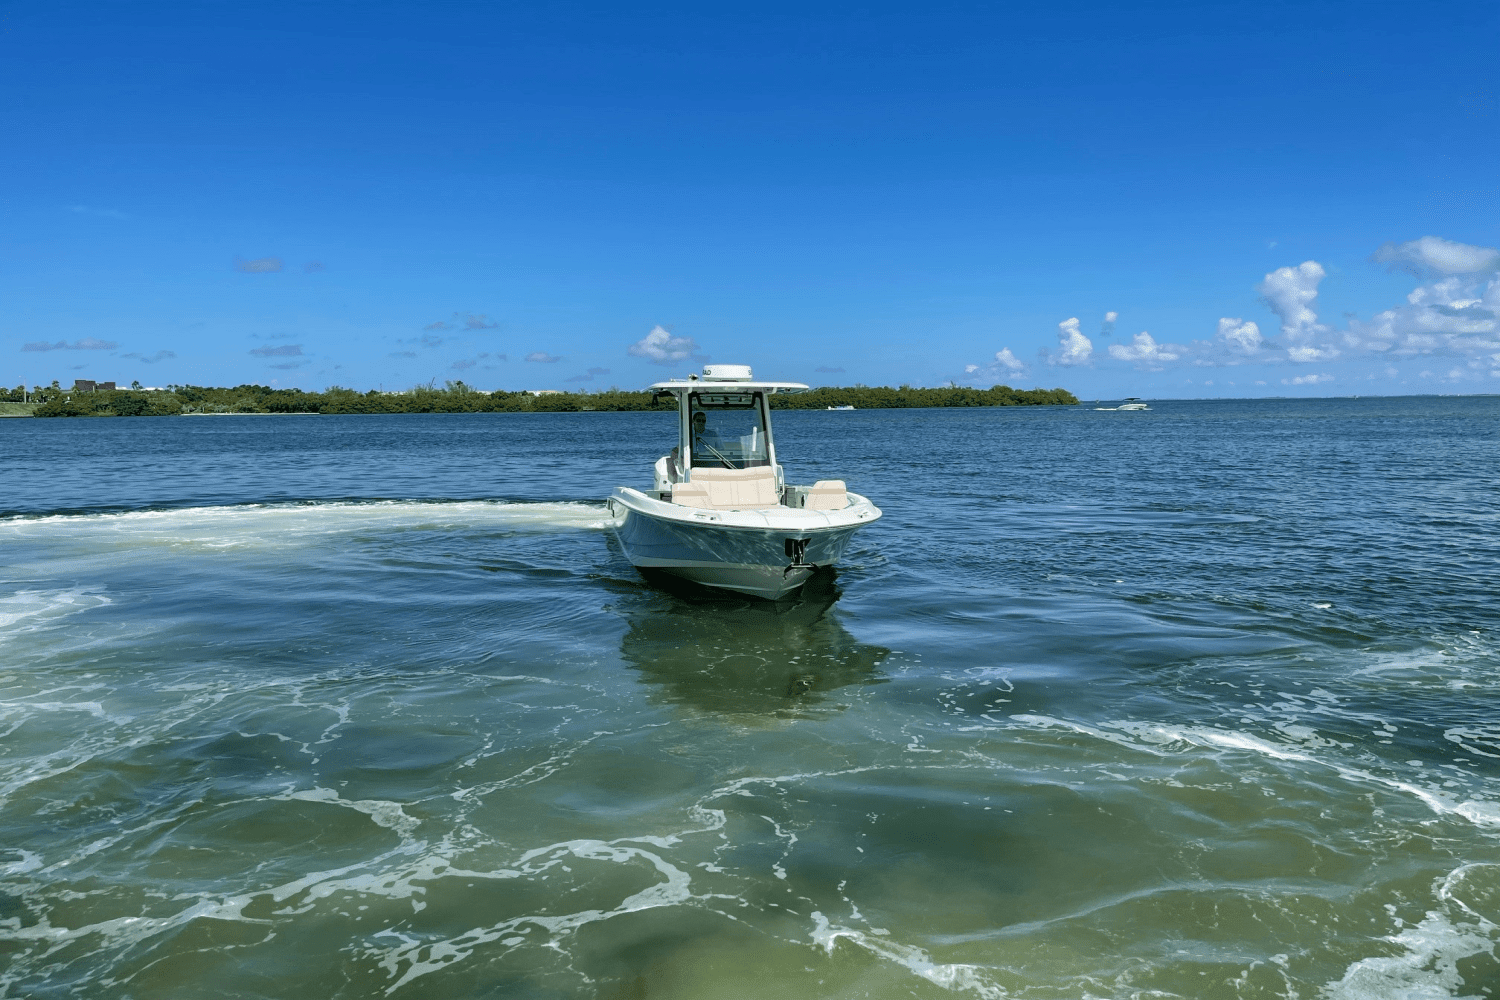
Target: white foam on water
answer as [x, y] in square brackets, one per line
[950, 976]
[278, 525]
[413, 958]
[382, 813]
[1427, 966]
[1482, 813]
[26, 610]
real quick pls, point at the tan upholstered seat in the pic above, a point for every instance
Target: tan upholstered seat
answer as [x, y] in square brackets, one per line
[691, 495]
[737, 489]
[827, 494]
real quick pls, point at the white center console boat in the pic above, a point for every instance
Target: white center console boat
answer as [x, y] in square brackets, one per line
[720, 512]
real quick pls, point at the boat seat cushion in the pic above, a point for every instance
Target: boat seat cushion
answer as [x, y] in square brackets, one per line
[827, 494]
[691, 495]
[738, 489]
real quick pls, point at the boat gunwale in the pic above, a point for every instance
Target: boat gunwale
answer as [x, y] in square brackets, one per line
[860, 511]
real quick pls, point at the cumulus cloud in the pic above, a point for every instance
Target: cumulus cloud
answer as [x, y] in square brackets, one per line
[543, 357]
[826, 370]
[86, 344]
[1073, 347]
[151, 359]
[661, 348]
[1239, 336]
[1456, 314]
[1009, 361]
[1307, 380]
[1292, 292]
[1433, 256]
[285, 350]
[260, 265]
[476, 321]
[1145, 352]
[1108, 326]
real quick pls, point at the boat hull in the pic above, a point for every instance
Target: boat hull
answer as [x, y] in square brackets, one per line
[766, 554]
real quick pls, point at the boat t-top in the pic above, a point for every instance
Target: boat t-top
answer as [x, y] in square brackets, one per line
[719, 512]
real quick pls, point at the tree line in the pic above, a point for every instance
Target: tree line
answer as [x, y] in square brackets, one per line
[456, 397]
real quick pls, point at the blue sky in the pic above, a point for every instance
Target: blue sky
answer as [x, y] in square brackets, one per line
[1285, 199]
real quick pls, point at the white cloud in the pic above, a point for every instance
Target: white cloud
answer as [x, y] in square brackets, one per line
[1434, 256]
[1145, 351]
[1074, 347]
[661, 348]
[1454, 315]
[1004, 365]
[543, 357]
[1240, 336]
[1307, 380]
[86, 344]
[261, 265]
[1308, 354]
[1108, 326]
[1292, 292]
[1009, 361]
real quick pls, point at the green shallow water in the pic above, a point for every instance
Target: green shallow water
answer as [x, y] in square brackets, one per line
[1200, 702]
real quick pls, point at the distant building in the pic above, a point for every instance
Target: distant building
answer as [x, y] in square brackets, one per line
[83, 385]
[105, 386]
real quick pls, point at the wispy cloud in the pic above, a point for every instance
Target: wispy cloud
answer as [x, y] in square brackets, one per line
[826, 370]
[402, 354]
[86, 344]
[464, 321]
[288, 365]
[587, 376]
[543, 357]
[314, 266]
[260, 265]
[661, 348]
[151, 359]
[286, 350]
[1145, 352]
[1005, 365]
[466, 363]
[1435, 257]
[1306, 379]
[103, 213]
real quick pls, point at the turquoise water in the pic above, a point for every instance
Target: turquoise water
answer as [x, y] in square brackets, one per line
[1200, 702]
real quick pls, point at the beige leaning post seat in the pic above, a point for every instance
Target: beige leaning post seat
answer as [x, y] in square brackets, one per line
[827, 494]
[729, 489]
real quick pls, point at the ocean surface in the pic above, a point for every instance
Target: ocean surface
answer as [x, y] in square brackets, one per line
[1199, 702]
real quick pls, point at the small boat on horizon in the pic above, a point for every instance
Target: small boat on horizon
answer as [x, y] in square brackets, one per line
[848, 406]
[1130, 403]
[719, 512]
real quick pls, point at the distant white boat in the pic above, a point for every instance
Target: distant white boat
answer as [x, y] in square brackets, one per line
[841, 407]
[1131, 403]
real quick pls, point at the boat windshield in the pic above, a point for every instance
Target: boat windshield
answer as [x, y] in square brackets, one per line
[727, 431]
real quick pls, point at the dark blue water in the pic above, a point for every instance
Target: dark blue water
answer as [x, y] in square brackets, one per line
[1197, 702]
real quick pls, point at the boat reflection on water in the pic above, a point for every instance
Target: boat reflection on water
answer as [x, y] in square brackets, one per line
[720, 652]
